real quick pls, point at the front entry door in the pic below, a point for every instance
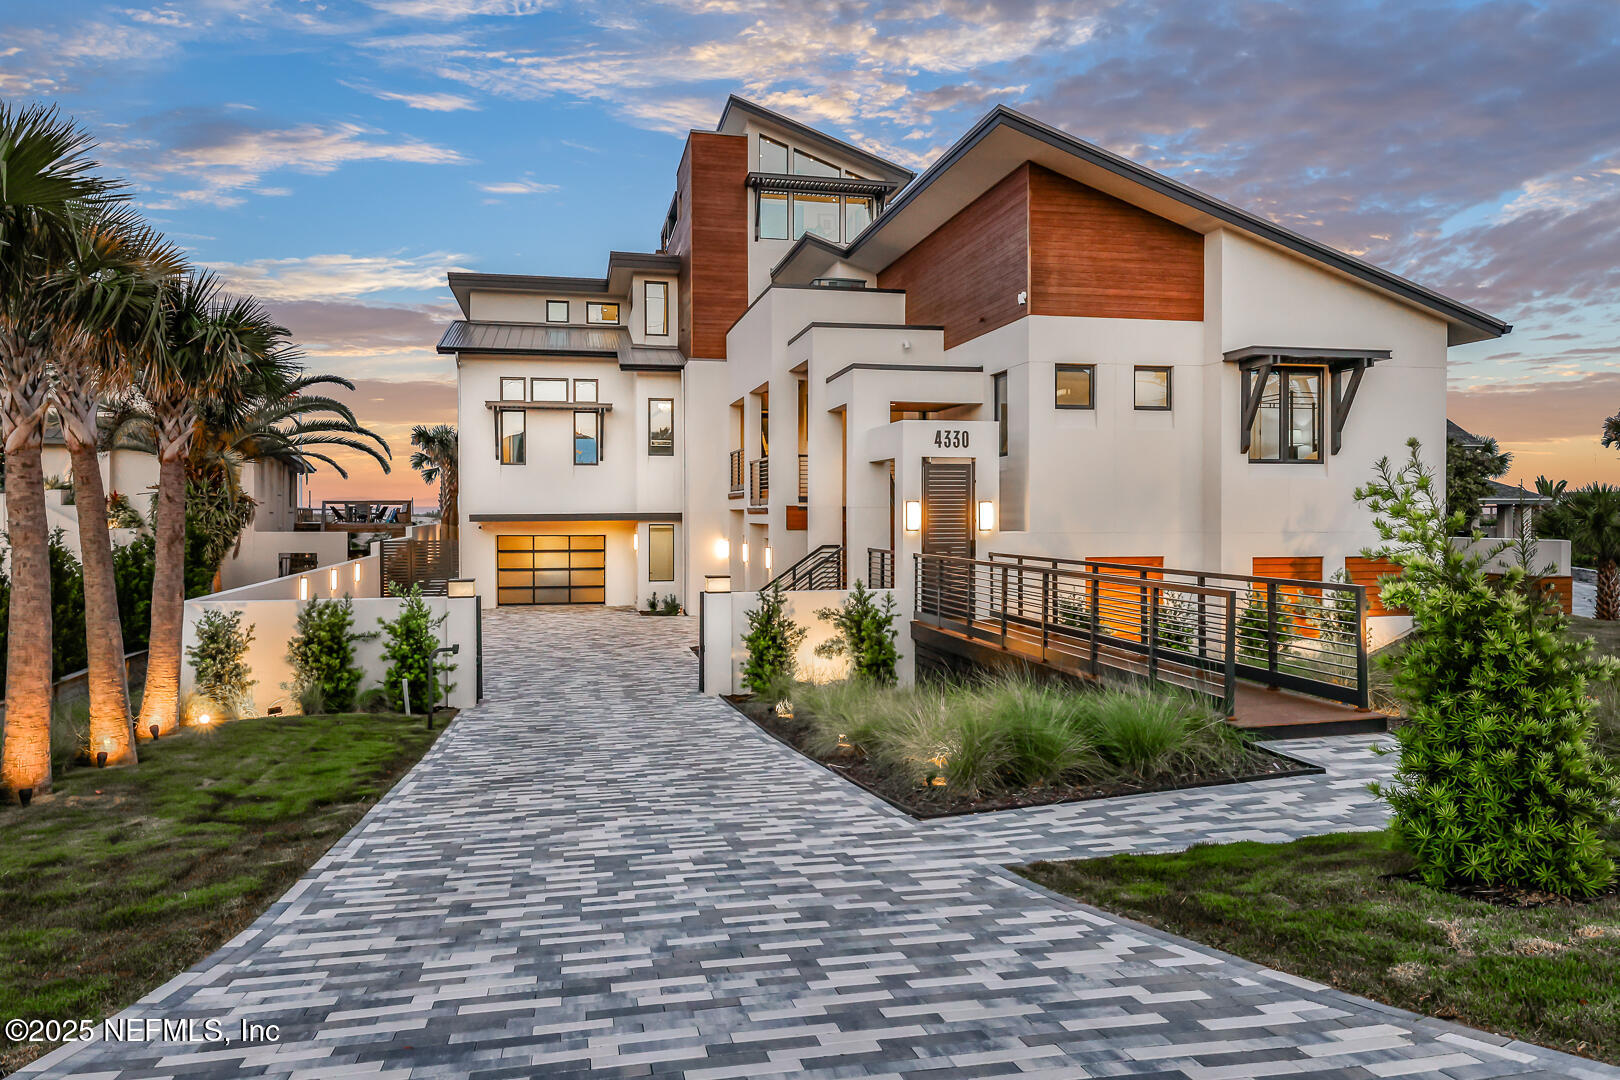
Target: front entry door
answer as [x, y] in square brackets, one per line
[947, 529]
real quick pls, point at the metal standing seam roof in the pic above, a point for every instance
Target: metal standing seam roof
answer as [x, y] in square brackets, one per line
[538, 339]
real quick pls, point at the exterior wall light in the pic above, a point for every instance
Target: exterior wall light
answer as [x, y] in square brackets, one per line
[333, 578]
[722, 548]
[303, 588]
[635, 540]
[767, 556]
[357, 571]
[987, 515]
[745, 553]
[913, 515]
[462, 587]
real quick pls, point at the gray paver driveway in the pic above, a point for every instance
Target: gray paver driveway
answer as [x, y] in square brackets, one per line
[600, 872]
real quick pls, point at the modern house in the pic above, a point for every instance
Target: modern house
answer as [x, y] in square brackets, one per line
[1035, 346]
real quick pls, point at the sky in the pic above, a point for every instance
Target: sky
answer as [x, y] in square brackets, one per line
[338, 157]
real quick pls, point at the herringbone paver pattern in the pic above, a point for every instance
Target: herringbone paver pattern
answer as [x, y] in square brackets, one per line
[600, 872]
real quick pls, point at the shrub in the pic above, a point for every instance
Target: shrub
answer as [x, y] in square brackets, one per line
[321, 653]
[410, 642]
[671, 605]
[1497, 782]
[1039, 724]
[772, 641]
[372, 700]
[864, 632]
[1149, 735]
[222, 675]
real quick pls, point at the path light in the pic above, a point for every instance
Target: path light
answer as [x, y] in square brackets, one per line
[913, 515]
[203, 718]
[987, 515]
[104, 753]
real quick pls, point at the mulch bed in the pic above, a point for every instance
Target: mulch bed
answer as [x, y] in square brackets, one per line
[934, 802]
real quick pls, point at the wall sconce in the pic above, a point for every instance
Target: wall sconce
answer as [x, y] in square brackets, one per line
[745, 553]
[635, 540]
[303, 588]
[913, 515]
[722, 548]
[461, 587]
[767, 556]
[357, 572]
[987, 515]
[332, 577]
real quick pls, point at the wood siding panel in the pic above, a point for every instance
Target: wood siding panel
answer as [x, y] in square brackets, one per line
[1093, 255]
[966, 275]
[1561, 589]
[798, 518]
[1300, 568]
[711, 237]
[1363, 571]
[1123, 608]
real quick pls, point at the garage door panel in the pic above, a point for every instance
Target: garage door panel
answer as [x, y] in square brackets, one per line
[589, 596]
[587, 577]
[551, 569]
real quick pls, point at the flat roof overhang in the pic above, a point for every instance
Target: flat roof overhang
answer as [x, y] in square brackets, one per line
[634, 515]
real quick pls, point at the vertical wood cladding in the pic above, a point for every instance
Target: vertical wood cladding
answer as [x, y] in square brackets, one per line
[711, 237]
[1363, 571]
[1091, 254]
[1297, 567]
[966, 275]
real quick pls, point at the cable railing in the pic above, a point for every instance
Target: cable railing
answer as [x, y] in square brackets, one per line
[822, 568]
[879, 568]
[1087, 622]
[1291, 633]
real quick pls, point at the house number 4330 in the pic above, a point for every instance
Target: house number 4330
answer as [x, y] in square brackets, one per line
[951, 439]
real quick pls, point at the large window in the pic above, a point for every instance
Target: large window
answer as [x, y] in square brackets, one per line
[661, 427]
[587, 437]
[512, 436]
[999, 382]
[549, 389]
[655, 308]
[816, 215]
[1288, 424]
[511, 389]
[1076, 386]
[773, 156]
[809, 165]
[660, 553]
[1152, 389]
[601, 313]
[857, 216]
[556, 311]
[772, 221]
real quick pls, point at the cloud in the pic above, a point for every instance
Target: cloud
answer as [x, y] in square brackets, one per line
[390, 408]
[426, 101]
[449, 10]
[339, 276]
[517, 187]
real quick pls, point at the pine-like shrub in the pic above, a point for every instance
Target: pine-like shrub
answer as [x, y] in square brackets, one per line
[321, 653]
[772, 641]
[864, 632]
[1497, 783]
[218, 659]
[410, 642]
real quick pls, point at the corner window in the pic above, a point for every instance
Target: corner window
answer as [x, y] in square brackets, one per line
[773, 156]
[655, 308]
[1075, 386]
[556, 311]
[601, 313]
[771, 220]
[1288, 423]
[1000, 406]
[661, 427]
[585, 390]
[587, 437]
[809, 165]
[660, 553]
[512, 436]
[511, 389]
[549, 389]
[816, 215]
[1152, 389]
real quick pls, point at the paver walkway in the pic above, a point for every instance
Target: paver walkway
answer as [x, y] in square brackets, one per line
[600, 872]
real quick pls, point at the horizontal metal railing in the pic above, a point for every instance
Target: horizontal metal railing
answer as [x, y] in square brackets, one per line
[759, 481]
[1165, 633]
[822, 568]
[879, 568]
[1292, 633]
[736, 464]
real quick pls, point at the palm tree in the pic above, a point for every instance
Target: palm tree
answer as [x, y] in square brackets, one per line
[47, 188]
[1595, 517]
[208, 344]
[435, 459]
[117, 273]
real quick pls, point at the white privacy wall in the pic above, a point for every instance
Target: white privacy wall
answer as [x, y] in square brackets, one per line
[725, 622]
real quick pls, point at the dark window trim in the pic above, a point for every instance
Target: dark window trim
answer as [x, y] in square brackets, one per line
[1002, 409]
[574, 444]
[522, 457]
[1057, 369]
[521, 381]
[549, 305]
[547, 379]
[646, 308]
[651, 452]
[595, 398]
[671, 530]
[1285, 408]
[1169, 388]
[787, 203]
[598, 305]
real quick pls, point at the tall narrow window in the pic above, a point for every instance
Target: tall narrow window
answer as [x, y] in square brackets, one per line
[512, 436]
[601, 313]
[548, 390]
[660, 553]
[585, 390]
[1288, 423]
[816, 215]
[556, 311]
[1000, 406]
[773, 156]
[1152, 389]
[1076, 386]
[655, 308]
[857, 216]
[511, 389]
[771, 221]
[587, 437]
[660, 427]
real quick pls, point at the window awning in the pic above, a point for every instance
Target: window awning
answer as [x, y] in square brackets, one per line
[1345, 368]
[823, 185]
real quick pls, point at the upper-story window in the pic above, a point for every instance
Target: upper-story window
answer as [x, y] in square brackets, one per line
[1075, 386]
[771, 219]
[512, 436]
[773, 156]
[556, 311]
[511, 389]
[601, 313]
[1288, 423]
[999, 382]
[661, 427]
[816, 215]
[585, 390]
[832, 217]
[587, 437]
[857, 216]
[809, 165]
[549, 390]
[1151, 392]
[655, 308]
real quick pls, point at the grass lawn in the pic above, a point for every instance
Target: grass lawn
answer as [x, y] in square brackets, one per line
[1320, 908]
[122, 878]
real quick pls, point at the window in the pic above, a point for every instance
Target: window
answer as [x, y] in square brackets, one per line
[556, 311]
[660, 553]
[661, 427]
[1076, 386]
[511, 389]
[512, 449]
[1288, 424]
[548, 390]
[772, 219]
[601, 313]
[587, 437]
[809, 165]
[585, 390]
[816, 215]
[1152, 391]
[655, 308]
[1000, 406]
[773, 156]
[857, 216]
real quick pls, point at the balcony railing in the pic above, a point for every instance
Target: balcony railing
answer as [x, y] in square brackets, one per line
[879, 568]
[736, 472]
[822, 568]
[759, 481]
[804, 479]
[358, 515]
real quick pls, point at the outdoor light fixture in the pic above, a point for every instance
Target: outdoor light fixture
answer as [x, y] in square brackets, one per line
[461, 587]
[987, 515]
[635, 540]
[332, 577]
[154, 730]
[913, 515]
[101, 759]
[745, 552]
[722, 548]
[203, 718]
[767, 556]
[303, 588]
[357, 572]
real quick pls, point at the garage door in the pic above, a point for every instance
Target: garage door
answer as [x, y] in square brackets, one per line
[550, 569]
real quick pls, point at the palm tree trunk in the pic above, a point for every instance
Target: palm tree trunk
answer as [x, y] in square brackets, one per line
[25, 762]
[160, 706]
[1608, 590]
[104, 634]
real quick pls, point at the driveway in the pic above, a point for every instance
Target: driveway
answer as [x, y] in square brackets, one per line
[600, 872]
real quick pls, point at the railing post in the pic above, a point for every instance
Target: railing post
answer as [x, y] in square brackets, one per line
[1004, 606]
[1363, 689]
[1143, 617]
[1271, 626]
[1231, 653]
[1153, 637]
[1046, 616]
[1203, 627]
[1094, 621]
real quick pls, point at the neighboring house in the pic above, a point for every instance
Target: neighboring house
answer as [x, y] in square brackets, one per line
[1035, 346]
[1505, 512]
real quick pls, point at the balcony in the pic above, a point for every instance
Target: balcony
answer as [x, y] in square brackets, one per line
[759, 481]
[736, 474]
[391, 516]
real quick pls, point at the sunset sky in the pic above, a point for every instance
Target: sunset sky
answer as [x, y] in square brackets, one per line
[338, 157]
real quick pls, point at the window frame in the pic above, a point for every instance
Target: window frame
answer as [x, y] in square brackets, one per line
[596, 438]
[596, 391]
[1091, 377]
[1169, 388]
[537, 379]
[660, 527]
[787, 156]
[1285, 409]
[787, 214]
[816, 199]
[501, 436]
[594, 310]
[1001, 409]
[653, 451]
[523, 388]
[647, 309]
[566, 309]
